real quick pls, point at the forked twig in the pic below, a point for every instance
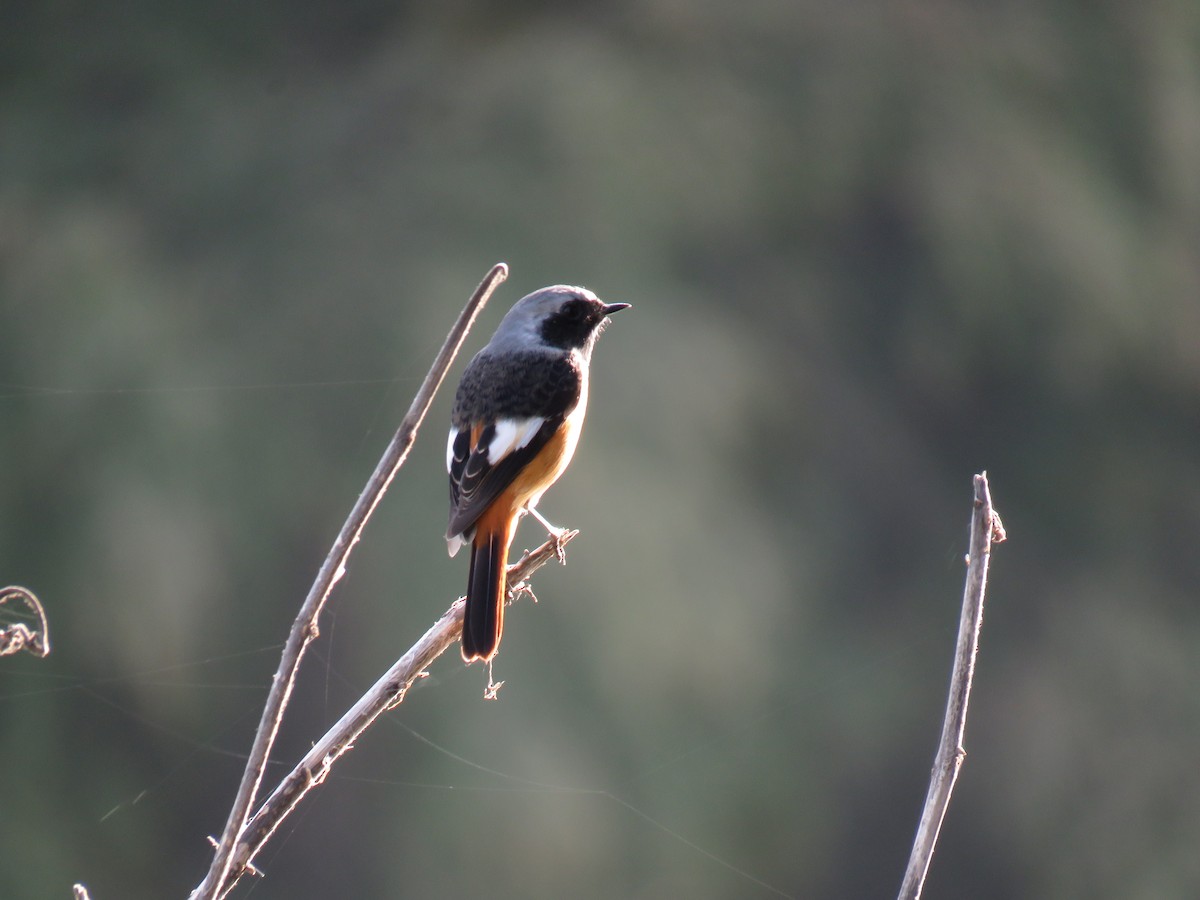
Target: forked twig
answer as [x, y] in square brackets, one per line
[986, 529]
[304, 629]
[387, 692]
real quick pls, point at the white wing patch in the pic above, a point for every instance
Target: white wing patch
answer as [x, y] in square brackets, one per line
[512, 434]
[450, 450]
[509, 435]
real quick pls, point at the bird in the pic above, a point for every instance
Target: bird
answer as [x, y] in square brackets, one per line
[516, 419]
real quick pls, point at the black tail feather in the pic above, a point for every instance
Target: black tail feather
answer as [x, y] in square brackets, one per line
[483, 617]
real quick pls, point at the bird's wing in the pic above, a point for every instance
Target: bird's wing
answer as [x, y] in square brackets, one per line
[509, 414]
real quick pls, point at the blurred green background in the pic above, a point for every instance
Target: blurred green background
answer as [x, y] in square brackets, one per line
[873, 248]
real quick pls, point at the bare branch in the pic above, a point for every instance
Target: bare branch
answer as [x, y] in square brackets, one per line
[304, 629]
[986, 529]
[387, 692]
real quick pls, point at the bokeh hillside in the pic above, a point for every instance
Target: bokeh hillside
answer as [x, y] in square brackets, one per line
[872, 248]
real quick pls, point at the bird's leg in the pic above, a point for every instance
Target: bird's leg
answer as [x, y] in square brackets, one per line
[556, 534]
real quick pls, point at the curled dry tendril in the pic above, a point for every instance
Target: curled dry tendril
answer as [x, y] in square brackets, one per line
[23, 623]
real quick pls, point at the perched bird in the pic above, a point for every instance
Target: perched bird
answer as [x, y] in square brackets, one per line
[516, 420]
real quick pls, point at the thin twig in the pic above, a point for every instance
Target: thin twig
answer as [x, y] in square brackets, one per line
[387, 692]
[986, 530]
[304, 629]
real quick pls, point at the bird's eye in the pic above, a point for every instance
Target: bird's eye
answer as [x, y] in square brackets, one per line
[574, 311]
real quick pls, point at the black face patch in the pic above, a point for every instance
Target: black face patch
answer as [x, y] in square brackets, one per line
[571, 326]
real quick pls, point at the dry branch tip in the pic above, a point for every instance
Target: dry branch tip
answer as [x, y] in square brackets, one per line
[985, 526]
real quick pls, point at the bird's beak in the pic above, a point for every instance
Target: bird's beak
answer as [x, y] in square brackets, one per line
[611, 308]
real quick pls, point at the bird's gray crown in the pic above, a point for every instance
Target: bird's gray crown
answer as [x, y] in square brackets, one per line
[521, 327]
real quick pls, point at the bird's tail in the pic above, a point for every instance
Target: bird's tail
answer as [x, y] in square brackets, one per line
[483, 617]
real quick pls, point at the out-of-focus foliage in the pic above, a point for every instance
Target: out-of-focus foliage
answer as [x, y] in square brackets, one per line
[872, 249]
